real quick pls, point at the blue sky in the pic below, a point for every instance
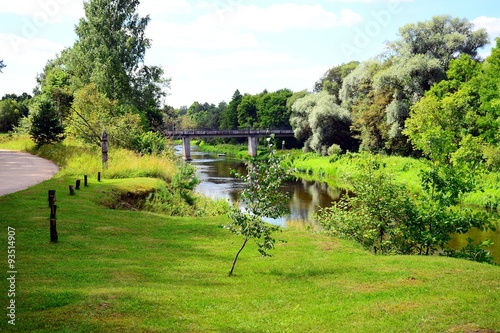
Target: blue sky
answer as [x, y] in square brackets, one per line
[210, 48]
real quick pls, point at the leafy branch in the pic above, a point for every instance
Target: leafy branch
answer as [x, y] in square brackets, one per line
[260, 198]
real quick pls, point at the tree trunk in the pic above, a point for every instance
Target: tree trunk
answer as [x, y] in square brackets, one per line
[236, 258]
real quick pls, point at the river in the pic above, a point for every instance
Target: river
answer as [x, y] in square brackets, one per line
[306, 197]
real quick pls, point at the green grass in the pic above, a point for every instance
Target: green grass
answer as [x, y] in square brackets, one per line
[130, 271]
[133, 271]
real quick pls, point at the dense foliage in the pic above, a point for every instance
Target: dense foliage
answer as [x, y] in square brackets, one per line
[12, 109]
[386, 218]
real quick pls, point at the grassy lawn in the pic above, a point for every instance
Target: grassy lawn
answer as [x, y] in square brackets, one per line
[132, 271]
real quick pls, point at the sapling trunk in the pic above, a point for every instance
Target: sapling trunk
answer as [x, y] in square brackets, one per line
[236, 258]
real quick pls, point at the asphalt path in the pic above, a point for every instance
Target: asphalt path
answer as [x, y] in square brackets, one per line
[18, 171]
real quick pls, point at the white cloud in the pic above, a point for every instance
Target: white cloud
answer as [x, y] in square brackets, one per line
[162, 8]
[24, 58]
[197, 36]
[491, 24]
[214, 78]
[280, 17]
[44, 11]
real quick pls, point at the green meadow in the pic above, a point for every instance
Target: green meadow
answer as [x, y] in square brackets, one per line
[136, 271]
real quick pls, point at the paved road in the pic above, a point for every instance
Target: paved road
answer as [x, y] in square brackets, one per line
[19, 171]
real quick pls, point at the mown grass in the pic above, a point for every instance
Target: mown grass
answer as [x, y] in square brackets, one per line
[133, 271]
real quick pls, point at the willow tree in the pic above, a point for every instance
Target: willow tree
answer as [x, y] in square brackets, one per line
[321, 122]
[421, 58]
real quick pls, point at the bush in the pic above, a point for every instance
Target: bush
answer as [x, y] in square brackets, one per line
[385, 218]
[150, 143]
[45, 125]
[334, 150]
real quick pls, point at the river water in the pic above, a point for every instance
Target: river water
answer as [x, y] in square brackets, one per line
[306, 197]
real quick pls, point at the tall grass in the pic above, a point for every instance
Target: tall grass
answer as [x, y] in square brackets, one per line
[75, 159]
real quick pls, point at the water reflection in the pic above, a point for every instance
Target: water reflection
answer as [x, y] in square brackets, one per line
[306, 197]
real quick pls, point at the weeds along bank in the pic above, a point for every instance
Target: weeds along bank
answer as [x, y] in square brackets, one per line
[336, 170]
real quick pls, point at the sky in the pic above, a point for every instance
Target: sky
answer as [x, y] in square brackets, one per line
[210, 48]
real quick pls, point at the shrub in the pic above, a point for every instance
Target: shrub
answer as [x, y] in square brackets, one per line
[150, 143]
[45, 125]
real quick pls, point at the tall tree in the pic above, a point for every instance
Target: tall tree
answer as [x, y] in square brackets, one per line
[109, 53]
[459, 118]
[419, 59]
[332, 80]
[272, 110]
[319, 120]
[230, 119]
[247, 112]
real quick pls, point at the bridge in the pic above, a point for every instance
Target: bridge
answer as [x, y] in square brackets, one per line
[252, 135]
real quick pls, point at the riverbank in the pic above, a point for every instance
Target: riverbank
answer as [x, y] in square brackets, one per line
[135, 271]
[336, 171]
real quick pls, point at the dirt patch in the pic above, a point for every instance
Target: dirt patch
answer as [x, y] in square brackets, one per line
[470, 329]
[129, 200]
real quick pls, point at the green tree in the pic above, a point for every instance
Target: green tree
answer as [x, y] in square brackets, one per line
[443, 38]
[93, 113]
[260, 198]
[332, 80]
[460, 113]
[367, 106]
[272, 110]
[377, 216]
[247, 112]
[10, 113]
[110, 52]
[45, 125]
[56, 84]
[171, 118]
[419, 59]
[230, 118]
[385, 218]
[321, 122]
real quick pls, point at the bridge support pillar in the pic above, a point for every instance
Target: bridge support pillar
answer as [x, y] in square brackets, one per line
[186, 148]
[252, 146]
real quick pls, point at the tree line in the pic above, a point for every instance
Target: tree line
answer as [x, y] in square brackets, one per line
[429, 90]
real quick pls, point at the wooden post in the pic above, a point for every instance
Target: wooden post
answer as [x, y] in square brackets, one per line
[85, 181]
[53, 227]
[104, 146]
[71, 190]
[78, 181]
[99, 176]
[52, 197]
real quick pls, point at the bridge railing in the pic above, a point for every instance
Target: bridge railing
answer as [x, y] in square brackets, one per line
[228, 133]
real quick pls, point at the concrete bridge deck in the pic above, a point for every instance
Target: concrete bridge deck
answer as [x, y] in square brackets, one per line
[252, 135]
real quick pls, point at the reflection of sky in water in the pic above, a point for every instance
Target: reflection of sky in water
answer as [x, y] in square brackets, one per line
[218, 183]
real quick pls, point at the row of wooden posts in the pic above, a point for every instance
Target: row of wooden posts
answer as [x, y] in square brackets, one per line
[52, 193]
[53, 207]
